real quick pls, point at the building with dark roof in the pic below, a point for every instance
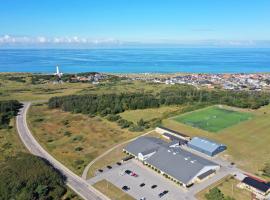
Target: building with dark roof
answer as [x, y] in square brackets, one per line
[260, 189]
[168, 159]
[206, 146]
[163, 130]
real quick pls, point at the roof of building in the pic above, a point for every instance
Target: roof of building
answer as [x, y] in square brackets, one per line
[178, 163]
[206, 174]
[170, 130]
[173, 138]
[184, 166]
[261, 186]
[205, 144]
[144, 144]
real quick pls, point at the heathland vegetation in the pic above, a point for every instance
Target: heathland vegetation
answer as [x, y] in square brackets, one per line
[29, 177]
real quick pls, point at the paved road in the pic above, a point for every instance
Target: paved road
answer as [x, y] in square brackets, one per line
[76, 183]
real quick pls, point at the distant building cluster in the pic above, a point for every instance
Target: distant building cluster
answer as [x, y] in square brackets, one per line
[95, 78]
[256, 82]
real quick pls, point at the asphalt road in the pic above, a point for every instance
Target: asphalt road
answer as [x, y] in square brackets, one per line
[76, 183]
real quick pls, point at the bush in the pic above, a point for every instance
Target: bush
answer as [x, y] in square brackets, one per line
[136, 128]
[113, 118]
[67, 133]
[78, 148]
[124, 123]
[79, 162]
[77, 138]
[266, 170]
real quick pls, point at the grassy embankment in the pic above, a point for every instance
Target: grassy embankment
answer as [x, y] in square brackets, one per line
[247, 141]
[228, 187]
[110, 190]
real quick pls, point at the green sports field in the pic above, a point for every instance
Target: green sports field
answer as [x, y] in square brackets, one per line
[213, 119]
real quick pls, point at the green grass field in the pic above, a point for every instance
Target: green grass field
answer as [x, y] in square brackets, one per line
[213, 119]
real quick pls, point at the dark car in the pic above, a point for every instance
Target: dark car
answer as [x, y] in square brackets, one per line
[165, 192]
[125, 188]
[161, 194]
[143, 184]
[100, 170]
[109, 167]
[118, 163]
[128, 171]
[153, 186]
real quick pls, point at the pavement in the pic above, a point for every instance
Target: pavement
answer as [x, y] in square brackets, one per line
[117, 177]
[76, 183]
[150, 177]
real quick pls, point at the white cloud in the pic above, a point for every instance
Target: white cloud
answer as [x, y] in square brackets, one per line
[8, 39]
[76, 41]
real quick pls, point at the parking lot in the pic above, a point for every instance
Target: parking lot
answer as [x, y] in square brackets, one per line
[119, 178]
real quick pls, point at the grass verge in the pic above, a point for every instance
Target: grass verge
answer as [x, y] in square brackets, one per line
[110, 190]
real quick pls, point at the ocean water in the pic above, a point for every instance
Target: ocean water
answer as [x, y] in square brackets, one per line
[162, 60]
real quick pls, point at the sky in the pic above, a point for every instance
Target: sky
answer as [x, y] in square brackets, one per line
[86, 23]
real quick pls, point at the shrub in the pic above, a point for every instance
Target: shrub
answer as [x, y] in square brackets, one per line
[79, 162]
[113, 118]
[77, 138]
[67, 133]
[78, 148]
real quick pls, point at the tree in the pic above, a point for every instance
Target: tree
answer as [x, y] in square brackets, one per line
[29, 177]
[266, 170]
[214, 194]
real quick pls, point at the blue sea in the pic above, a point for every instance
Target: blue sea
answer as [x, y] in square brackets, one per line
[138, 60]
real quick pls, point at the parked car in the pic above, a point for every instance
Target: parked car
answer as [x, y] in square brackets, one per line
[163, 193]
[109, 167]
[143, 198]
[142, 184]
[125, 188]
[153, 186]
[128, 171]
[118, 163]
[134, 174]
[100, 170]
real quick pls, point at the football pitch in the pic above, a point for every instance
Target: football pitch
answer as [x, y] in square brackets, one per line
[213, 119]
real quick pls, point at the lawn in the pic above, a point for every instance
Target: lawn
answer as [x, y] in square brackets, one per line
[111, 191]
[228, 187]
[148, 114]
[247, 142]
[213, 119]
[74, 139]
